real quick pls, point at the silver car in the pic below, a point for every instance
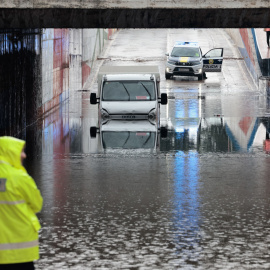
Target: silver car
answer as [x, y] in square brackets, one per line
[186, 59]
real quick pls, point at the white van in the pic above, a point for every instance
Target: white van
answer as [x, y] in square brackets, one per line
[129, 93]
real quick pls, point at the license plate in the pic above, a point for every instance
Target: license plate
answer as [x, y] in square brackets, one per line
[183, 69]
[129, 116]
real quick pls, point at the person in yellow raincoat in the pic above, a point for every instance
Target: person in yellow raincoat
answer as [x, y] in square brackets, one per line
[20, 200]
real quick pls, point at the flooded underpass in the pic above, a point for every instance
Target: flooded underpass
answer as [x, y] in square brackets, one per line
[192, 194]
[180, 206]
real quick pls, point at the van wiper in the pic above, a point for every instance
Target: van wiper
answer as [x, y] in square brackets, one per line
[126, 90]
[147, 139]
[126, 139]
[146, 89]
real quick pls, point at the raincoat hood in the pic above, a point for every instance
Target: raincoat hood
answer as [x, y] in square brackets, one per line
[10, 151]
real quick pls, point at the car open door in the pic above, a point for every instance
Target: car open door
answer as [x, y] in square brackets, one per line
[212, 60]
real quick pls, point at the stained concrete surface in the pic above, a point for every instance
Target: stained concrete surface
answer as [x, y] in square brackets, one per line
[138, 16]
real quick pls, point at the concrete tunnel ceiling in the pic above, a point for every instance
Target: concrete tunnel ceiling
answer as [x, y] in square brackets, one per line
[135, 14]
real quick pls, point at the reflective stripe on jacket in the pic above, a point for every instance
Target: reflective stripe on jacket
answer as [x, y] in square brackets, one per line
[20, 200]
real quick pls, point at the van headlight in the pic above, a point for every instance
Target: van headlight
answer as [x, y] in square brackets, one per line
[152, 115]
[104, 115]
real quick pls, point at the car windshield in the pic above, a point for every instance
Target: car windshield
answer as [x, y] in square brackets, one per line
[128, 91]
[185, 52]
[128, 140]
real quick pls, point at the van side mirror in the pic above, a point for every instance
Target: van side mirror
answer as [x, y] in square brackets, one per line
[164, 99]
[163, 132]
[167, 54]
[93, 98]
[93, 132]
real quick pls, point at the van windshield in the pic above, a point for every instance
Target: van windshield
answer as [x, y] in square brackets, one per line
[128, 140]
[129, 91]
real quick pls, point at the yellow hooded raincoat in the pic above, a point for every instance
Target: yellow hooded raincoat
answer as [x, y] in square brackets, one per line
[20, 199]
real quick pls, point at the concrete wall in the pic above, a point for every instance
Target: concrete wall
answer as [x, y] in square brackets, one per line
[262, 50]
[92, 4]
[245, 43]
[134, 13]
[20, 88]
[67, 59]
[253, 48]
[40, 68]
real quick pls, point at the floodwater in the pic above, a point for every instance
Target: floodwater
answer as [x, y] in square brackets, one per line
[194, 198]
[197, 200]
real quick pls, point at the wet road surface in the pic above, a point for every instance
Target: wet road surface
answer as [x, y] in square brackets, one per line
[195, 199]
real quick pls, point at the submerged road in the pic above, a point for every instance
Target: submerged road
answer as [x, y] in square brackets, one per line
[196, 199]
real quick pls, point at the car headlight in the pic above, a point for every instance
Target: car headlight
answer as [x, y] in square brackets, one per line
[152, 115]
[104, 115]
[171, 62]
[195, 63]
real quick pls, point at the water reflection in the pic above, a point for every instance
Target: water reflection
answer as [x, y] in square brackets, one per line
[219, 134]
[117, 135]
[65, 133]
[56, 129]
[196, 122]
[186, 214]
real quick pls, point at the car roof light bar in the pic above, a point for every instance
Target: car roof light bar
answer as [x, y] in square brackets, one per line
[186, 43]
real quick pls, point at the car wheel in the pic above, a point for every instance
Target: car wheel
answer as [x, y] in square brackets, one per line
[200, 77]
[167, 76]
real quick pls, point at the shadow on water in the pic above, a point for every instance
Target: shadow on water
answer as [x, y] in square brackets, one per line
[20, 79]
